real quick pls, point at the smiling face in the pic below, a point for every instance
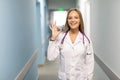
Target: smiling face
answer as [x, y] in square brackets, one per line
[73, 20]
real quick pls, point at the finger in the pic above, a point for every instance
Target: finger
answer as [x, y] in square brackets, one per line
[54, 26]
[50, 26]
[60, 30]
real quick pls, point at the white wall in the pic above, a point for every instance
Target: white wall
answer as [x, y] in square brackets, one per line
[105, 17]
[84, 7]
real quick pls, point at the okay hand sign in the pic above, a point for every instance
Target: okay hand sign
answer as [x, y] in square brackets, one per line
[55, 31]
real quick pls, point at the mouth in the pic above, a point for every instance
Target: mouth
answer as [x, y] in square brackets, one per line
[73, 24]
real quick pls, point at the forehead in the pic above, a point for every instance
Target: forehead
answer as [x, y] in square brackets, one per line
[73, 13]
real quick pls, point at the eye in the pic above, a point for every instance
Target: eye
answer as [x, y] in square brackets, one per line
[76, 17]
[69, 17]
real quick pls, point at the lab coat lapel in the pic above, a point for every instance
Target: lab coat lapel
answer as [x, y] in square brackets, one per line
[68, 40]
[78, 38]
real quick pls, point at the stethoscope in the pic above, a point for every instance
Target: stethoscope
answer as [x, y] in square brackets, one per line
[62, 41]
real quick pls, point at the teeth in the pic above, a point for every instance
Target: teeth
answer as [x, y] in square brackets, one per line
[73, 23]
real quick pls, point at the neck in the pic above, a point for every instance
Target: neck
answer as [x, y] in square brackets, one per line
[74, 31]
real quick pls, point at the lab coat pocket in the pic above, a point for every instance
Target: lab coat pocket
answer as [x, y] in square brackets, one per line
[88, 58]
[89, 54]
[61, 76]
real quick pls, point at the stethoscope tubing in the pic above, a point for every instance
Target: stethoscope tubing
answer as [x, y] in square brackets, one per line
[62, 41]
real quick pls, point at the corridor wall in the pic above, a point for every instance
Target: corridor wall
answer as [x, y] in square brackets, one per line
[105, 17]
[17, 39]
[43, 31]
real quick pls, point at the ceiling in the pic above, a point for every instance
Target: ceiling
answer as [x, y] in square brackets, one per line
[66, 4]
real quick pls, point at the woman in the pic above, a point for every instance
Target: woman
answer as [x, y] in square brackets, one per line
[73, 48]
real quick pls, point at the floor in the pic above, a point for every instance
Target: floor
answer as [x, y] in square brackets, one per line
[48, 71]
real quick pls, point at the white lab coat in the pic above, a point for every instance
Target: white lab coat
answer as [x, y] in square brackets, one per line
[76, 60]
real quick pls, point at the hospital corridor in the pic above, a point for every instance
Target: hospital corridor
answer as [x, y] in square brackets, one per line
[25, 33]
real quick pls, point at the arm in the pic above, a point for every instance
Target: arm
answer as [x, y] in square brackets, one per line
[53, 50]
[53, 47]
[90, 61]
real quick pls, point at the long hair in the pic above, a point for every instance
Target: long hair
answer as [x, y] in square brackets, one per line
[81, 25]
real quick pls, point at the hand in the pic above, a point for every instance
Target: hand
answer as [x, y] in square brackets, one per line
[55, 31]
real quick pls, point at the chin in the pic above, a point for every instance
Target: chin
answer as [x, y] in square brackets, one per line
[74, 27]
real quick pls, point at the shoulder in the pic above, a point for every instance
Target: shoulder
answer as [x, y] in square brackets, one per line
[87, 39]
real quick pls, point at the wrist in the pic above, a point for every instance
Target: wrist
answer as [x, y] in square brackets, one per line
[52, 39]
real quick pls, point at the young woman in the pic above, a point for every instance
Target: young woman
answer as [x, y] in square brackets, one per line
[73, 48]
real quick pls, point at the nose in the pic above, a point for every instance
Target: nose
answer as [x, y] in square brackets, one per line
[73, 19]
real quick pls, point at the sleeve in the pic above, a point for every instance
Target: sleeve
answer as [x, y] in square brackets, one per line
[90, 61]
[53, 49]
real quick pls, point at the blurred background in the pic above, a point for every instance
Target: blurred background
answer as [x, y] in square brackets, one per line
[24, 36]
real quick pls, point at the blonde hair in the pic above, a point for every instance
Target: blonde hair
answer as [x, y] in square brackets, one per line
[81, 26]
